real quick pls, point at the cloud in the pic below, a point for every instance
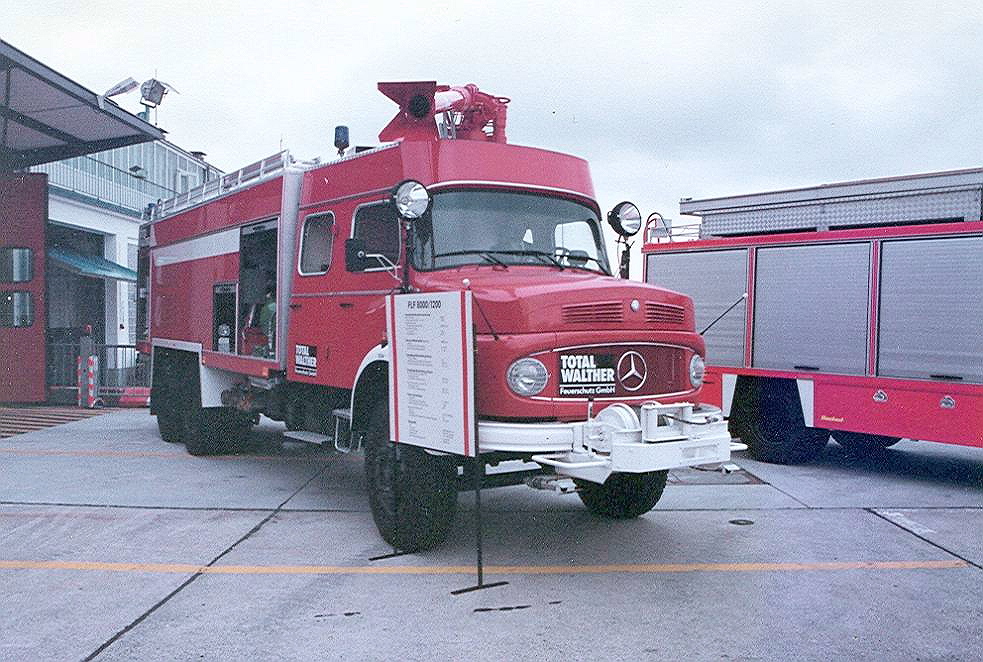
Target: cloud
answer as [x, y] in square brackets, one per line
[665, 99]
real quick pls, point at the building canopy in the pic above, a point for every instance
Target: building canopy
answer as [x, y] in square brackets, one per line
[90, 265]
[46, 117]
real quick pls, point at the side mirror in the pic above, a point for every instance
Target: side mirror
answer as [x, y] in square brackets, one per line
[355, 258]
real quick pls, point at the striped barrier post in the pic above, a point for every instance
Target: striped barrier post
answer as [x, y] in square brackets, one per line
[91, 386]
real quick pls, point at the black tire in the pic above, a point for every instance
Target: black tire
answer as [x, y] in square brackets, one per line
[767, 416]
[413, 494]
[863, 444]
[214, 431]
[170, 424]
[623, 496]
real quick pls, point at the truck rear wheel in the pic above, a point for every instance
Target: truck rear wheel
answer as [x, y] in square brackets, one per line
[413, 494]
[170, 424]
[767, 416]
[622, 495]
[863, 444]
[214, 430]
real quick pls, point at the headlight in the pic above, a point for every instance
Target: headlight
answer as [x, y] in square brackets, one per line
[527, 377]
[696, 370]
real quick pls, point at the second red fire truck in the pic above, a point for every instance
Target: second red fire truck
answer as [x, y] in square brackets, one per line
[852, 310]
[266, 292]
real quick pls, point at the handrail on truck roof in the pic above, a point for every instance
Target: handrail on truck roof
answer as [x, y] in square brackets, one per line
[213, 188]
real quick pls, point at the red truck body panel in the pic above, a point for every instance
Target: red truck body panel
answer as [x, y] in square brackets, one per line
[940, 409]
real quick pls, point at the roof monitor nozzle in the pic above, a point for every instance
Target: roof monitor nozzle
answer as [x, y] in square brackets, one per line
[341, 139]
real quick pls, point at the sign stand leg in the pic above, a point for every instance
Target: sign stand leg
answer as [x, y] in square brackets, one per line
[478, 473]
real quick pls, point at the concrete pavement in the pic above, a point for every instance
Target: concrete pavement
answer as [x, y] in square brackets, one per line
[117, 546]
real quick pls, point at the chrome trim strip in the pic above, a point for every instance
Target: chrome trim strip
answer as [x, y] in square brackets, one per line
[183, 345]
[358, 293]
[223, 242]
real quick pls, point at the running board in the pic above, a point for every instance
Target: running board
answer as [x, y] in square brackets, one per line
[308, 437]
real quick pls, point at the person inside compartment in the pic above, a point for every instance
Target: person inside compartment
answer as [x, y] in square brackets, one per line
[267, 319]
[259, 330]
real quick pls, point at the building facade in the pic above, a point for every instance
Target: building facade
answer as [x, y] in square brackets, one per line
[96, 204]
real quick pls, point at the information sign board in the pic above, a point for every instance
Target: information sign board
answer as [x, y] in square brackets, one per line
[431, 378]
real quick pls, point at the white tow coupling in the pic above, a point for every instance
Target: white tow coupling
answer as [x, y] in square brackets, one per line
[654, 437]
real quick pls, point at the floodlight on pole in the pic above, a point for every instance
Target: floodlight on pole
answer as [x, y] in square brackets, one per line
[122, 87]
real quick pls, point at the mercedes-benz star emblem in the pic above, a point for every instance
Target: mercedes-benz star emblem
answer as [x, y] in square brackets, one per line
[632, 371]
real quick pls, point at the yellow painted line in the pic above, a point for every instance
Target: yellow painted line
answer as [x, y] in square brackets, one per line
[642, 568]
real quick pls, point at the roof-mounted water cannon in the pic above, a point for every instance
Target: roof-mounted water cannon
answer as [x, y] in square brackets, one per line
[469, 113]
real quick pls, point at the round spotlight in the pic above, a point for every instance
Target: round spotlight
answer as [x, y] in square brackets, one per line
[625, 219]
[411, 199]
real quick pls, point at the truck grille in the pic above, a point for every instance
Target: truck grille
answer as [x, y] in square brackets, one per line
[665, 314]
[602, 312]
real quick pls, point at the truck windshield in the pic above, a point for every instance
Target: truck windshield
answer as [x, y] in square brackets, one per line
[502, 228]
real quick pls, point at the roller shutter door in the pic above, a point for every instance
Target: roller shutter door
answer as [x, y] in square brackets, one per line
[715, 280]
[931, 309]
[811, 308]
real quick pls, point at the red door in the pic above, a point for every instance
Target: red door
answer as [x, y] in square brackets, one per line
[23, 215]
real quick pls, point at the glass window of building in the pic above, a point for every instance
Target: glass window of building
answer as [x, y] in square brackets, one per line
[16, 265]
[16, 309]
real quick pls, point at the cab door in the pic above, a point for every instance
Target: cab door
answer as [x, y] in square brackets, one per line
[23, 217]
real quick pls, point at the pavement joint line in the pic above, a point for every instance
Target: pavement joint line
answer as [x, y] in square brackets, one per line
[55, 452]
[616, 568]
[923, 538]
[179, 508]
[781, 491]
[198, 571]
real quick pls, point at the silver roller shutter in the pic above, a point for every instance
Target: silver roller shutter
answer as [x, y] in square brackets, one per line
[715, 280]
[811, 308]
[931, 308]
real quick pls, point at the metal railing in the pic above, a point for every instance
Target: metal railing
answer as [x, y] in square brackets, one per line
[129, 192]
[250, 174]
[659, 231]
[120, 367]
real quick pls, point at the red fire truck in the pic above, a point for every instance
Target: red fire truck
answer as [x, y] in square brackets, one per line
[853, 310]
[266, 292]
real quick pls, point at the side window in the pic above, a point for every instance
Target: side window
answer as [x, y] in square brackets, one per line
[316, 243]
[16, 265]
[378, 227]
[16, 309]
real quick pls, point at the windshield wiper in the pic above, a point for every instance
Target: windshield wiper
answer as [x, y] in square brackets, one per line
[531, 253]
[485, 255]
[587, 257]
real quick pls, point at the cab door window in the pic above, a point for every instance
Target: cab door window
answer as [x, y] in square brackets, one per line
[378, 227]
[316, 243]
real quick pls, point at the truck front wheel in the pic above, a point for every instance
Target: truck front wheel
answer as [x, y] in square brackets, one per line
[623, 496]
[413, 494]
[767, 416]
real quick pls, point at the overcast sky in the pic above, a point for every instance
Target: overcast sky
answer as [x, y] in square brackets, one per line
[665, 99]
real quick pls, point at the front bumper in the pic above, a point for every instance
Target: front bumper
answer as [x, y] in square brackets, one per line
[652, 437]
